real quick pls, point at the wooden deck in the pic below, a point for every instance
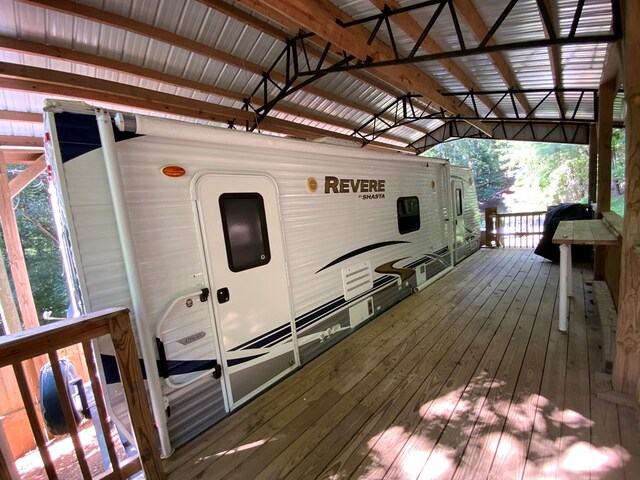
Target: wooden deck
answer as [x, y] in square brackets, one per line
[469, 379]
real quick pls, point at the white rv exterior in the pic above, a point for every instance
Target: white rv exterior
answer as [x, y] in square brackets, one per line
[264, 254]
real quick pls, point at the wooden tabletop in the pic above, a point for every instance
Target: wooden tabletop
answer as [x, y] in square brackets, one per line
[585, 232]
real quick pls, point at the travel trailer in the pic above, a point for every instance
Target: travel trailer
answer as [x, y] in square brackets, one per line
[241, 256]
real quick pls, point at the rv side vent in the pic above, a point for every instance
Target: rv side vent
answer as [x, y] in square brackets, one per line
[357, 279]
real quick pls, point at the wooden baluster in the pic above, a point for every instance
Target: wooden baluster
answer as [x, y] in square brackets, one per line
[36, 428]
[69, 418]
[100, 406]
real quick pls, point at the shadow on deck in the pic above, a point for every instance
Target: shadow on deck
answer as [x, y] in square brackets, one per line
[470, 378]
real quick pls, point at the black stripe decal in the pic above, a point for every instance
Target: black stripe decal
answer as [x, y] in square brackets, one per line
[360, 250]
[237, 361]
[175, 367]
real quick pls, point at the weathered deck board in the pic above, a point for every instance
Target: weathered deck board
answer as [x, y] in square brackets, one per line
[467, 379]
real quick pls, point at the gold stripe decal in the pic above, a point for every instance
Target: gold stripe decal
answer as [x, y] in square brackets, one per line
[388, 268]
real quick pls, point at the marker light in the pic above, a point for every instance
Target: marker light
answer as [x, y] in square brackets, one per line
[173, 171]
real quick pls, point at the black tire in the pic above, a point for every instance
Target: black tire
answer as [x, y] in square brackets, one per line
[50, 404]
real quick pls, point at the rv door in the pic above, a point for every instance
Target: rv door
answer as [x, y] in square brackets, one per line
[244, 250]
[459, 246]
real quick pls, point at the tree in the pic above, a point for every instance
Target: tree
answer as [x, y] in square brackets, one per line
[485, 159]
[548, 172]
[40, 246]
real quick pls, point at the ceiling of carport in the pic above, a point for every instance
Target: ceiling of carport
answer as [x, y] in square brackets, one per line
[401, 75]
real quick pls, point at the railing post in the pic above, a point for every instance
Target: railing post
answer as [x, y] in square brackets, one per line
[136, 395]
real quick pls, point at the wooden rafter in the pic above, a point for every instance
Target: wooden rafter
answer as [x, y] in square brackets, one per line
[27, 117]
[390, 86]
[476, 24]
[320, 17]
[140, 28]
[40, 80]
[288, 32]
[414, 30]
[550, 25]
[20, 141]
[49, 51]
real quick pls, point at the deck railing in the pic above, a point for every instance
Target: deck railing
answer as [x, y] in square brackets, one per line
[514, 230]
[47, 340]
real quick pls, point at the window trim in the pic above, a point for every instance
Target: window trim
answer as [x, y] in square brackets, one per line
[263, 227]
[412, 228]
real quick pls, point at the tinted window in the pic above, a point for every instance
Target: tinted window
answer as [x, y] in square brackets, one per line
[458, 201]
[408, 214]
[245, 230]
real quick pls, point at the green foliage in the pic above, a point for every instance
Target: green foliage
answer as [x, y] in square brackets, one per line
[40, 246]
[618, 162]
[485, 159]
[549, 173]
[530, 176]
[617, 205]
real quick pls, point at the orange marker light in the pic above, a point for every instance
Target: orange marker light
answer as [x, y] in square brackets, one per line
[173, 171]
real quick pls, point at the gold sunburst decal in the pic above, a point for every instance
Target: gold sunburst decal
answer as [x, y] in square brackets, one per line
[312, 184]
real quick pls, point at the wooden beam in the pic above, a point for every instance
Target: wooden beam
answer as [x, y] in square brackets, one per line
[134, 97]
[287, 32]
[626, 369]
[593, 162]
[406, 22]
[384, 83]
[606, 97]
[476, 24]
[613, 68]
[134, 26]
[320, 17]
[24, 178]
[14, 251]
[27, 117]
[555, 54]
[20, 141]
[14, 156]
[10, 317]
[49, 51]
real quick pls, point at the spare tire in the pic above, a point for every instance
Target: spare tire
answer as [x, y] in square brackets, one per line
[50, 404]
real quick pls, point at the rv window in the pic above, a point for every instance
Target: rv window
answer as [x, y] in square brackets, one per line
[458, 202]
[408, 214]
[245, 230]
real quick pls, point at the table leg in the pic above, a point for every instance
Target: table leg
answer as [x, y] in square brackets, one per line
[564, 277]
[569, 272]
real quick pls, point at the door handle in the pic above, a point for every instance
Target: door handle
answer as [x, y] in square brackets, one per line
[223, 295]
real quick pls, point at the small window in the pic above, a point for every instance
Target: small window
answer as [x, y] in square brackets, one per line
[245, 230]
[408, 214]
[459, 202]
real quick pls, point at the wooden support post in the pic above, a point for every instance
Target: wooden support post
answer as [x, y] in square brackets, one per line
[593, 162]
[136, 395]
[626, 369]
[14, 251]
[19, 272]
[606, 96]
[10, 317]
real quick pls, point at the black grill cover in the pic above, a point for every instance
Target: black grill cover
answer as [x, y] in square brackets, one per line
[564, 211]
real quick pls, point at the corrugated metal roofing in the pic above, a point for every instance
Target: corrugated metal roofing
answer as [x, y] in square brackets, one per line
[581, 67]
